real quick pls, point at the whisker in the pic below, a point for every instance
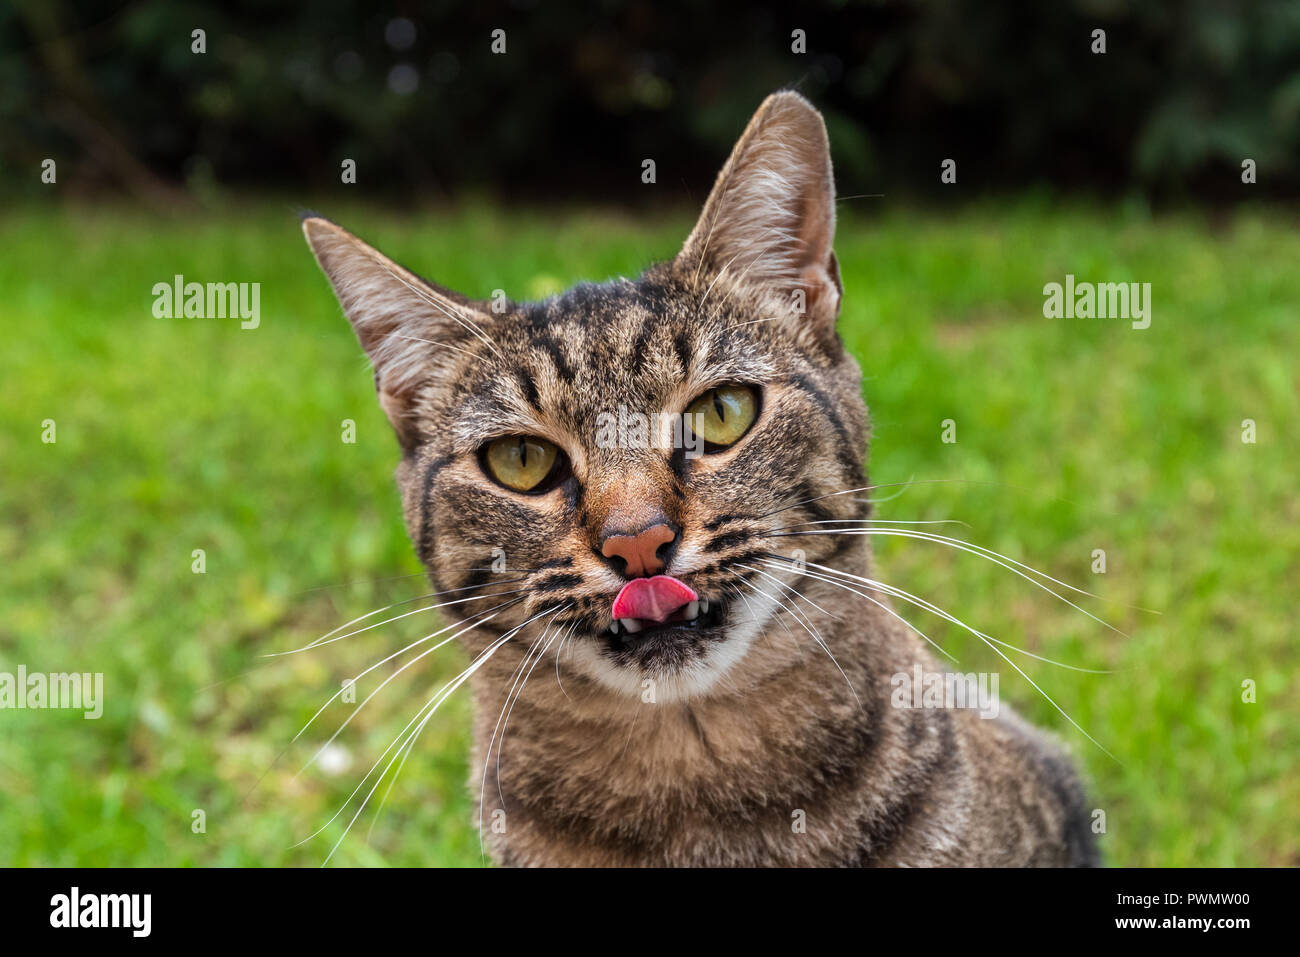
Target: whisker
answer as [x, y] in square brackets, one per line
[404, 601]
[793, 566]
[871, 521]
[890, 589]
[322, 708]
[812, 632]
[450, 688]
[798, 595]
[793, 590]
[519, 678]
[506, 724]
[418, 641]
[959, 542]
[553, 611]
[558, 652]
[879, 501]
[986, 554]
[434, 342]
[754, 616]
[322, 641]
[922, 603]
[374, 766]
[729, 589]
[431, 706]
[908, 484]
[409, 749]
[383, 684]
[318, 641]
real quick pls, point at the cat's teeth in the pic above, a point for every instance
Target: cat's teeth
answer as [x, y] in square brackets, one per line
[633, 625]
[704, 605]
[692, 611]
[613, 627]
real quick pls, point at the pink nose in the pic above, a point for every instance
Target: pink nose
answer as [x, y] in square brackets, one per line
[640, 552]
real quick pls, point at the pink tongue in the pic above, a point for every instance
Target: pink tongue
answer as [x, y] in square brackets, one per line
[653, 599]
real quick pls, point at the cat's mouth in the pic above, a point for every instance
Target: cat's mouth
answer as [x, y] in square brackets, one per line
[697, 616]
[657, 608]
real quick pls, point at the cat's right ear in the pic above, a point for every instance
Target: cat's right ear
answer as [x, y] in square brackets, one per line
[770, 220]
[408, 326]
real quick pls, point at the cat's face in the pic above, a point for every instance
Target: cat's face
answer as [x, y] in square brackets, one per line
[614, 462]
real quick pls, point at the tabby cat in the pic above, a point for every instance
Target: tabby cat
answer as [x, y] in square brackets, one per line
[667, 465]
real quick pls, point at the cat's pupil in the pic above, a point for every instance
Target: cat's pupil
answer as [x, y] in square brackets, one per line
[523, 453]
[719, 408]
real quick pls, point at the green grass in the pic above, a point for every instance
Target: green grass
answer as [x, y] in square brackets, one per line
[1073, 435]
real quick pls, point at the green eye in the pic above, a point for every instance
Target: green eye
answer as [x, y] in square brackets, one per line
[520, 462]
[722, 415]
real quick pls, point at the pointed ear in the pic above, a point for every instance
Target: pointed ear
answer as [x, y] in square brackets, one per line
[410, 328]
[770, 220]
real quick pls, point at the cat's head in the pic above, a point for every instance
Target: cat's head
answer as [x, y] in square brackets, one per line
[631, 449]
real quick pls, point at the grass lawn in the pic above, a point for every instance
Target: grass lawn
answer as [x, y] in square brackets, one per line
[1072, 435]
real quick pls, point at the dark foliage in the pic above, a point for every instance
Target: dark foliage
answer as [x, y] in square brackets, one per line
[285, 92]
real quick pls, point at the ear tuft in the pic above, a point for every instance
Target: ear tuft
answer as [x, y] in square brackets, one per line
[770, 219]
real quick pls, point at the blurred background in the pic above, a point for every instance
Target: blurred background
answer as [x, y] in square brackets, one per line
[414, 93]
[522, 170]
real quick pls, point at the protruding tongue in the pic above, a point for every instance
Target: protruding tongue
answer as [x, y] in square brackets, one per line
[653, 599]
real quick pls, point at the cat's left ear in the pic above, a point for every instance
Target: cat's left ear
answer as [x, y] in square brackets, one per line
[409, 327]
[770, 220]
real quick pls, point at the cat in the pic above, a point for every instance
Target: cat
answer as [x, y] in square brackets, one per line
[716, 698]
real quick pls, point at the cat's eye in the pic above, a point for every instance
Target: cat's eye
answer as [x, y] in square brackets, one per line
[722, 415]
[524, 463]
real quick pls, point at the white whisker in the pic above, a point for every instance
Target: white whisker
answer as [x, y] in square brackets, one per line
[383, 684]
[418, 641]
[812, 632]
[893, 590]
[872, 521]
[974, 550]
[430, 706]
[506, 724]
[552, 611]
[875, 601]
[404, 601]
[459, 601]
[922, 603]
[558, 652]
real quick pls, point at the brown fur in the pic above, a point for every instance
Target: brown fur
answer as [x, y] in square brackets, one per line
[741, 737]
